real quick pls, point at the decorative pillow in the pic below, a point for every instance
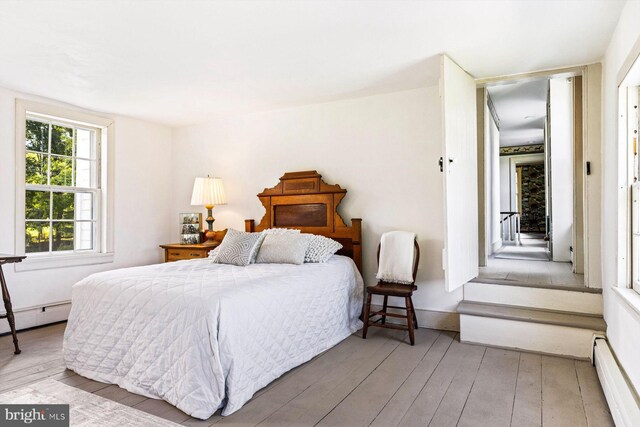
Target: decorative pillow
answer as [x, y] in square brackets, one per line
[214, 253]
[237, 248]
[280, 231]
[283, 248]
[268, 231]
[321, 248]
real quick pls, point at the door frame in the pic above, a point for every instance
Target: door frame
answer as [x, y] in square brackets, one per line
[591, 144]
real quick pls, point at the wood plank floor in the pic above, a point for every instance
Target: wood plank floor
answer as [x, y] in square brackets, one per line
[380, 381]
[532, 272]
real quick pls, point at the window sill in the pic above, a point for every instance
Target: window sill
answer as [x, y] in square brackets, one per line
[49, 262]
[630, 297]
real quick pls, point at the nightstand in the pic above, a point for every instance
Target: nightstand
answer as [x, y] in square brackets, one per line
[178, 252]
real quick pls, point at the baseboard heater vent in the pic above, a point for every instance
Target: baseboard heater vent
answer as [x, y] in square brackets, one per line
[621, 397]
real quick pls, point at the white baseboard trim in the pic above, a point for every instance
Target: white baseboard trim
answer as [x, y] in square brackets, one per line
[38, 316]
[430, 319]
[622, 398]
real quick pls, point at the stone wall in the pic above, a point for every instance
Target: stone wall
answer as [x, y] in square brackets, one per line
[533, 198]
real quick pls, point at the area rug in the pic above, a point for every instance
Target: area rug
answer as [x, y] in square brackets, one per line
[86, 409]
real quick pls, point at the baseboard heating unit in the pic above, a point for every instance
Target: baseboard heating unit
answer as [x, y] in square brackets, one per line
[621, 397]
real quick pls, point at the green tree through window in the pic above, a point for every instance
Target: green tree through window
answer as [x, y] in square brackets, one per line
[60, 178]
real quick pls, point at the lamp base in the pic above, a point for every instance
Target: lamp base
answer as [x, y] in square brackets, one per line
[210, 236]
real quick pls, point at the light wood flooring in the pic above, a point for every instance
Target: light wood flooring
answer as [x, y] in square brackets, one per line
[380, 381]
[532, 272]
[528, 270]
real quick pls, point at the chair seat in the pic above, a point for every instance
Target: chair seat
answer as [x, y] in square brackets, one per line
[392, 289]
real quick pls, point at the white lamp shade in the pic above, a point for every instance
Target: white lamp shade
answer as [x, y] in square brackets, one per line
[208, 191]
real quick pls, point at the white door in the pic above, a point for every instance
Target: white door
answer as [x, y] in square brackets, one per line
[459, 166]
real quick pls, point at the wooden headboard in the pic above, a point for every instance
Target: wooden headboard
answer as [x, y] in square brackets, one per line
[302, 200]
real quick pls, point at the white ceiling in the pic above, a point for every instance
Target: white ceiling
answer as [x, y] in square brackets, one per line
[521, 109]
[180, 62]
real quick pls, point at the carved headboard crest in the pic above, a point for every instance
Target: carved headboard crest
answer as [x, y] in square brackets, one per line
[302, 200]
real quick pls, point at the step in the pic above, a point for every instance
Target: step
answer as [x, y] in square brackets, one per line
[520, 283]
[544, 331]
[577, 300]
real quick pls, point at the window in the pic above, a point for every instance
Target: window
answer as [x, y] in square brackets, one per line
[62, 186]
[62, 208]
[629, 132]
[633, 180]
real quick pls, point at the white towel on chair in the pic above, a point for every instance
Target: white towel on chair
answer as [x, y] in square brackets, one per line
[396, 257]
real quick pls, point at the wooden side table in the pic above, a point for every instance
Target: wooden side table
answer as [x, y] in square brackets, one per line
[8, 259]
[178, 252]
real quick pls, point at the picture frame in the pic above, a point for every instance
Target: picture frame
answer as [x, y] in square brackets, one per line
[190, 228]
[190, 239]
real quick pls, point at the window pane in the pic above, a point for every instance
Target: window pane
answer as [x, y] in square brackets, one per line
[63, 205]
[85, 173]
[36, 237]
[61, 140]
[62, 236]
[37, 204]
[61, 168]
[36, 168]
[37, 136]
[84, 206]
[84, 144]
[84, 235]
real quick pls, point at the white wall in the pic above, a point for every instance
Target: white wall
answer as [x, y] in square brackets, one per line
[561, 112]
[383, 149]
[623, 324]
[142, 218]
[506, 181]
[493, 142]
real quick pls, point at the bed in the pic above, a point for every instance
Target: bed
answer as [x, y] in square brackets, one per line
[205, 336]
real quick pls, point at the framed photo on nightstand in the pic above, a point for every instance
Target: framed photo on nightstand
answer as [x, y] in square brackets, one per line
[190, 227]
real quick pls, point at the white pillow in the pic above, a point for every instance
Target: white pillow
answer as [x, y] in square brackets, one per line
[321, 248]
[237, 248]
[283, 248]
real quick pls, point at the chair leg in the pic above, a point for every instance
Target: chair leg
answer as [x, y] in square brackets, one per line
[409, 306]
[415, 319]
[367, 310]
[384, 308]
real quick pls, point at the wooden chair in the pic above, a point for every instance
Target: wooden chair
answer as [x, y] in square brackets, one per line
[389, 289]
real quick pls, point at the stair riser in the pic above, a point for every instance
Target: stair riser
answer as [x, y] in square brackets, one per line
[549, 299]
[518, 335]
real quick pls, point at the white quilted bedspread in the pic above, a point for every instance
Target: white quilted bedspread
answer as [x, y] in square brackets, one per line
[201, 335]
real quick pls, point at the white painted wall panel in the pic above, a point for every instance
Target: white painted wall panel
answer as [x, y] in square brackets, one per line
[561, 101]
[458, 92]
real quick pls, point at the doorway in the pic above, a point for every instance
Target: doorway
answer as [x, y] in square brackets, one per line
[531, 181]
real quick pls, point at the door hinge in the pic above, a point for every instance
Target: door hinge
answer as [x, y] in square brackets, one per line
[588, 168]
[441, 164]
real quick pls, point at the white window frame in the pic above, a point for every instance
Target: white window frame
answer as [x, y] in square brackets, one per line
[633, 181]
[104, 127]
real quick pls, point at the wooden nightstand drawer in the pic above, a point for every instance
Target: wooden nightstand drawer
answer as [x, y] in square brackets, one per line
[177, 252]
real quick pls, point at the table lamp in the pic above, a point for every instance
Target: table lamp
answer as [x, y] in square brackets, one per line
[208, 192]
